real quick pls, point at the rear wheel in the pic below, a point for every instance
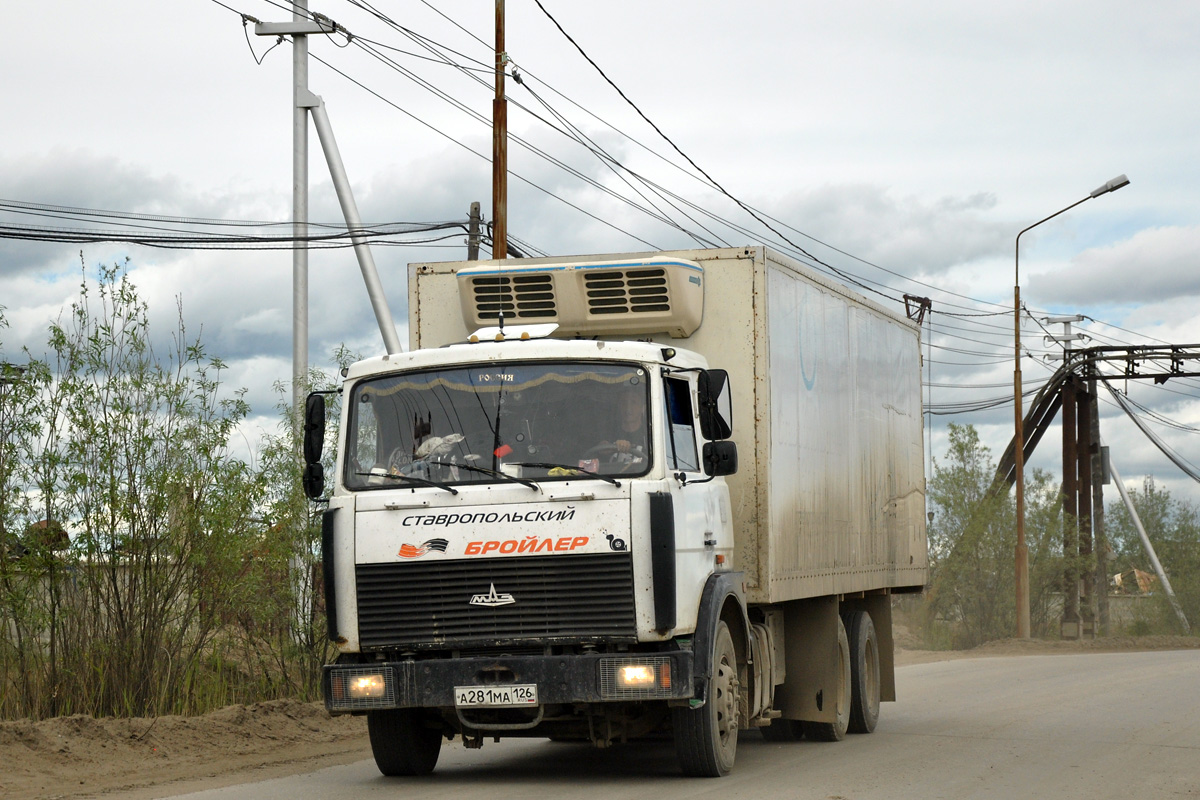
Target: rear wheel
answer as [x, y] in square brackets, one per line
[706, 737]
[864, 673]
[401, 743]
[836, 731]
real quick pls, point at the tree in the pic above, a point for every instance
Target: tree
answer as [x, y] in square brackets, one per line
[19, 430]
[972, 539]
[1174, 529]
[143, 568]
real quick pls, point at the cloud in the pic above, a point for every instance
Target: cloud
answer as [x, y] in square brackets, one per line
[910, 235]
[1155, 264]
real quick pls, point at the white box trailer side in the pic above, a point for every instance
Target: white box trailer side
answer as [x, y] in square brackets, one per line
[830, 494]
[841, 427]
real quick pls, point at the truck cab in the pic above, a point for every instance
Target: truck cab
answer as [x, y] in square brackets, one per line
[520, 532]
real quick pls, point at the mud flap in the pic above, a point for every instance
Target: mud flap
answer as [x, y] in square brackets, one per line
[810, 637]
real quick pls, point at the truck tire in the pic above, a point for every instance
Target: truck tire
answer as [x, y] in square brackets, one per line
[706, 737]
[864, 673]
[836, 731]
[783, 730]
[401, 743]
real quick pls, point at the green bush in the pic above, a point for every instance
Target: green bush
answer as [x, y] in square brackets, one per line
[143, 568]
[971, 596]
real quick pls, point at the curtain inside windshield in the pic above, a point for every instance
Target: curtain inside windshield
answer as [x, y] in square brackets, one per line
[533, 421]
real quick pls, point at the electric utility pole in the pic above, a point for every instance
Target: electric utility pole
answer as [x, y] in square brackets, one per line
[1078, 619]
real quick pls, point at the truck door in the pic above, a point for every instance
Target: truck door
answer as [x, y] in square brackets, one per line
[695, 504]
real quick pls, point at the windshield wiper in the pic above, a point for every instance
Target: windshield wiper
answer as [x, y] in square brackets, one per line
[498, 474]
[409, 479]
[575, 472]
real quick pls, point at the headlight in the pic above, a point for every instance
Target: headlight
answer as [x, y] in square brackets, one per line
[636, 677]
[357, 688]
[366, 687]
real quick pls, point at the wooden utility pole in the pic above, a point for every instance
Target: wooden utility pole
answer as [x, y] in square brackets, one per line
[1100, 540]
[1070, 506]
[1087, 598]
[500, 146]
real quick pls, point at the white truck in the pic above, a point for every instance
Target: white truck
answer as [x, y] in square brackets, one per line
[612, 497]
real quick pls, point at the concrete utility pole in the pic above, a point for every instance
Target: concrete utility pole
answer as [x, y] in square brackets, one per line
[473, 234]
[304, 102]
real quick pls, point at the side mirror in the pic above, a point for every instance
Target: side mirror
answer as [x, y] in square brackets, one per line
[314, 441]
[716, 405]
[314, 428]
[720, 458]
[314, 480]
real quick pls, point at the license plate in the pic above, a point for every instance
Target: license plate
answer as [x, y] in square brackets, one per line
[524, 694]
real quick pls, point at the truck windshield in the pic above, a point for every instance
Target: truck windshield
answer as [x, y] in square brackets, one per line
[535, 421]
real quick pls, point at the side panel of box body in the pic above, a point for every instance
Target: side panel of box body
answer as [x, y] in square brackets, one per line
[845, 463]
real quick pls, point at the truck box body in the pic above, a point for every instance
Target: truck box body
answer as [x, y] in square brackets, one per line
[829, 495]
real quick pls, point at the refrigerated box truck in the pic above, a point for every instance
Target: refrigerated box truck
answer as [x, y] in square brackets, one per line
[622, 496]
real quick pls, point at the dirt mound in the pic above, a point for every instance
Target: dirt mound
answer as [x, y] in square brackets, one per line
[83, 755]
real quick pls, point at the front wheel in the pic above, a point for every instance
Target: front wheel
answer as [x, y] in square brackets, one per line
[706, 737]
[401, 743]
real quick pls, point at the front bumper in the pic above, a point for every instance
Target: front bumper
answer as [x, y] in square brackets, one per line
[561, 679]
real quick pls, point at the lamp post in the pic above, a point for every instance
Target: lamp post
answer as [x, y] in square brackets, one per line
[1022, 552]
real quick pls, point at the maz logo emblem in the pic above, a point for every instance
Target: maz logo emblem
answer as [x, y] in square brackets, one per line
[492, 599]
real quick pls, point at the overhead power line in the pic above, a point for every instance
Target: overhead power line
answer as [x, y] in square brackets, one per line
[1186, 466]
[157, 230]
[699, 169]
[662, 204]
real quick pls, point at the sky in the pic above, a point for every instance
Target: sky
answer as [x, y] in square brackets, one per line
[905, 145]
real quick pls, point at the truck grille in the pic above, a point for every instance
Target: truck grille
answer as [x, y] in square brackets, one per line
[554, 597]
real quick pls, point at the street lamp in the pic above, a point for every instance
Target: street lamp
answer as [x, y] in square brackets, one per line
[1022, 552]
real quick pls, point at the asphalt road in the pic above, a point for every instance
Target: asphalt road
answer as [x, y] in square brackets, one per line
[1106, 725]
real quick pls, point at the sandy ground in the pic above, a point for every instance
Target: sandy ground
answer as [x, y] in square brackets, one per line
[73, 757]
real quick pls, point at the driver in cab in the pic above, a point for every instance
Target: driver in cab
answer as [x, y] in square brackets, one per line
[626, 446]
